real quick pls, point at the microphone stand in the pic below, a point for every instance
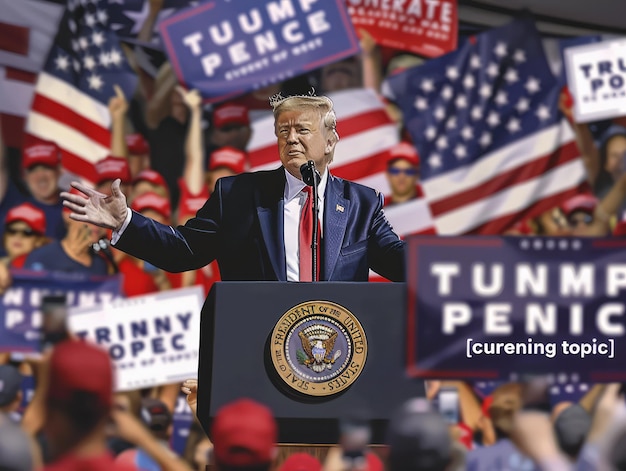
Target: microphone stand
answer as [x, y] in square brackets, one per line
[312, 177]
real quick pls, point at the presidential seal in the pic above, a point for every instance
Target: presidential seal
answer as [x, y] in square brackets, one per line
[318, 348]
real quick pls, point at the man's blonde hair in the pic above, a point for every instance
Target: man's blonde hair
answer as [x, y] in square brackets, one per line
[322, 103]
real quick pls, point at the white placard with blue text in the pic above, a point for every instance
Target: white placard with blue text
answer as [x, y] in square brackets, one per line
[152, 340]
[596, 76]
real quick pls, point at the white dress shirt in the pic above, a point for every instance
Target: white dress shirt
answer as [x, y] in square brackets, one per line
[294, 202]
[295, 199]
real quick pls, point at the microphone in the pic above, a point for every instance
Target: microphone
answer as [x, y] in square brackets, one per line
[103, 247]
[308, 171]
[312, 177]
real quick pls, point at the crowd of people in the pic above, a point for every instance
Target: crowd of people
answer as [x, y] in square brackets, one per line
[168, 150]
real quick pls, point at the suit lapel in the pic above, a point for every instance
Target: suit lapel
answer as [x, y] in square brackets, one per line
[336, 210]
[269, 204]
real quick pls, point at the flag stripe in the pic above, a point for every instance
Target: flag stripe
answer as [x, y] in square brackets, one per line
[356, 123]
[363, 167]
[20, 75]
[511, 200]
[67, 138]
[501, 224]
[61, 91]
[412, 217]
[16, 95]
[14, 38]
[531, 170]
[502, 160]
[69, 117]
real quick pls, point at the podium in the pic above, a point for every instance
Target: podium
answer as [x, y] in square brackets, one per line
[240, 354]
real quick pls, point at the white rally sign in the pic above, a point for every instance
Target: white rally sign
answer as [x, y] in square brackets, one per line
[596, 75]
[152, 339]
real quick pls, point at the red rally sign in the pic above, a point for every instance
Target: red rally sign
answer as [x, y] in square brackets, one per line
[424, 27]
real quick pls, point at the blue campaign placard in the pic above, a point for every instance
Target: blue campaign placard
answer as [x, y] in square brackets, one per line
[20, 306]
[489, 307]
[227, 48]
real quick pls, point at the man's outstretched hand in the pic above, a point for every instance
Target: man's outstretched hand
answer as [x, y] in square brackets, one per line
[95, 207]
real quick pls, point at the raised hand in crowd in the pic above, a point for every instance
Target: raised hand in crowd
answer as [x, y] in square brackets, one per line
[190, 388]
[118, 107]
[371, 61]
[97, 208]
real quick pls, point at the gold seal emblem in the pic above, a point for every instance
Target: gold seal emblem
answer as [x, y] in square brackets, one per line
[318, 348]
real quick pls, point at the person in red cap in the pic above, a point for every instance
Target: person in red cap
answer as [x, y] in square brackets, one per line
[108, 170]
[229, 127]
[141, 277]
[582, 218]
[73, 253]
[78, 402]
[41, 161]
[78, 398]
[194, 190]
[403, 174]
[244, 435]
[225, 162]
[138, 153]
[25, 228]
[149, 181]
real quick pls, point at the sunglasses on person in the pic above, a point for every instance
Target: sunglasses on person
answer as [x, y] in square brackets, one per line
[411, 172]
[578, 219]
[22, 232]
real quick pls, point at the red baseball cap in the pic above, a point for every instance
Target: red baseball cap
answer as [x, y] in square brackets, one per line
[229, 157]
[301, 462]
[39, 152]
[137, 144]
[78, 366]
[584, 202]
[111, 168]
[30, 214]
[230, 113]
[244, 433]
[405, 151]
[151, 200]
[150, 176]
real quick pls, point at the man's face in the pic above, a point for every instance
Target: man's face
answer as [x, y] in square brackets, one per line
[402, 177]
[302, 137]
[42, 182]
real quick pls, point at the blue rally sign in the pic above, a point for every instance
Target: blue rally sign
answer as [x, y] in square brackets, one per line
[20, 306]
[489, 307]
[227, 48]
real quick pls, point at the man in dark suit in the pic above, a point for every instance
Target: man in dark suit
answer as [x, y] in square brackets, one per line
[251, 223]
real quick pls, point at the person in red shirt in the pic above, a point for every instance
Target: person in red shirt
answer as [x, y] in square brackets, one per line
[78, 397]
[403, 174]
[149, 181]
[25, 228]
[78, 403]
[140, 277]
[109, 169]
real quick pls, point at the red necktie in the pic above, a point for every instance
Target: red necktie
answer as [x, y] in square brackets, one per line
[306, 231]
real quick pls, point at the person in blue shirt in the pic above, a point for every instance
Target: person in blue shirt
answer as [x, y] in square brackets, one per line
[73, 253]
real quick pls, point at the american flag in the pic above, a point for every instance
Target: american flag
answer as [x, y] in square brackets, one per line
[27, 28]
[366, 133]
[485, 120]
[72, 91]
